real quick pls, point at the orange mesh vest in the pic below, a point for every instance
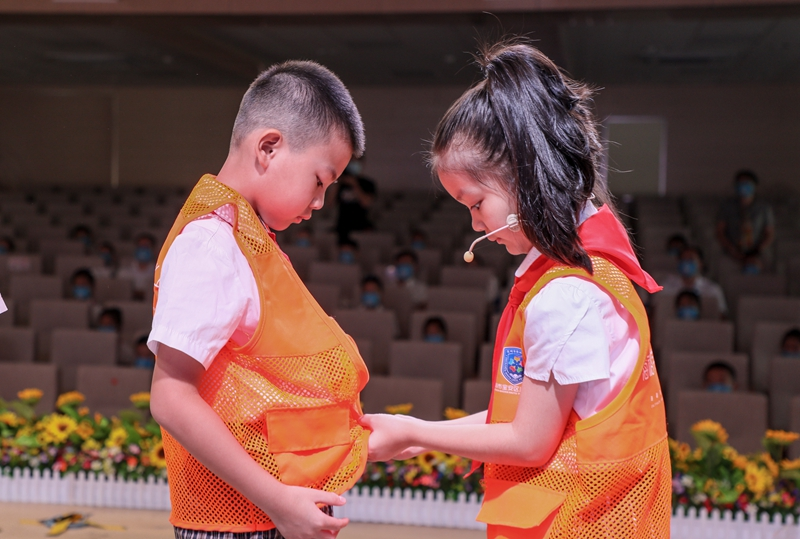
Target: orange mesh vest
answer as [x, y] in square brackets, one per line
[610, 476]
[290, 396]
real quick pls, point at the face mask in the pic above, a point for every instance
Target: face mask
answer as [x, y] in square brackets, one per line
[786, 353]
[107, 329]
[689, 312]
[719, 388]
[746, 189]
[354, 168]
[418, 245]
[144, 363]
[85, 240]
[302, 242]
[144, 254]
[751, 269]
[81, 291]
[347, 257]
[107, 258]
[404, 271]
[370, 300]
[434, 337]
[688, 268]
[3, 249]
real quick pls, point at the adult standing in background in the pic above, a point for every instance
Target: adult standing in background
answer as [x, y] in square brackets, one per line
[746, 223]
[354, 198]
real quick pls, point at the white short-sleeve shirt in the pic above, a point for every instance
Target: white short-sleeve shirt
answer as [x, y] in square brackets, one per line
[578, 333]
[207, 294]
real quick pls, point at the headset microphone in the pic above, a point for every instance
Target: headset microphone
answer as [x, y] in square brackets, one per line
[512, 223]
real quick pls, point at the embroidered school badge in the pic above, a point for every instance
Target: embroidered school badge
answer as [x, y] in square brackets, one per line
[511, 366]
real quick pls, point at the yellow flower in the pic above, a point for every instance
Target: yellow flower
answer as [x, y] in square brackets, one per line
[117, 437]
[782, 437]
[757, 479]
[83, 411]
[399, 409]
[770, 464]
[791, 464]
[454, 413]
[84, 430]
[740, 462]
[697, 454]
[59, 427]
[71, 398]
[91, 445]
[141, 400]
[425, 462]
[711, 427]
[30, 396]
[9, 418]
[157, 457]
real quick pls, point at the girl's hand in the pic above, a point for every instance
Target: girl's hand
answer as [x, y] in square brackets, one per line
[410, 453]
[297, 514]
[388, 437]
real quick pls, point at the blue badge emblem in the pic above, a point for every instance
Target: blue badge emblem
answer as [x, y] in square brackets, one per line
[511, 366]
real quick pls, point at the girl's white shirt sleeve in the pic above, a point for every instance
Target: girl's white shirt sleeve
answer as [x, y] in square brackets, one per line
[578, 333]
[207, 294]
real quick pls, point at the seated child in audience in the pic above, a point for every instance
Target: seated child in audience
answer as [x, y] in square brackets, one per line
[371, 293]
[348, 252]
[752, 263]
[6, 245]
[418, 240]
[690, 277]
[82, 285]
[110, 320]
[304, 237]
[434, 330]
[108, 254]
[142, 270]
[687, 305]
[144, 357]
[790, 344]
[404, 272]
[676, 244]
[83, 234]
[719, 377]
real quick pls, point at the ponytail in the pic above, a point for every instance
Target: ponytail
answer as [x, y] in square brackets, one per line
[528, 126]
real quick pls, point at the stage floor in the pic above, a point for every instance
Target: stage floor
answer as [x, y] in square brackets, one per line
[154, 525]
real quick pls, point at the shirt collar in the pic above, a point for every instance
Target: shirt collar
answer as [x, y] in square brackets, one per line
[587, 211]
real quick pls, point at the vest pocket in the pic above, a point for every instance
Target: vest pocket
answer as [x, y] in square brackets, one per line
[517, 505]
[309, 443]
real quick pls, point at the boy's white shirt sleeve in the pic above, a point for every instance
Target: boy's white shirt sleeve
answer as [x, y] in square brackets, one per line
[565, 334]
[201, 298]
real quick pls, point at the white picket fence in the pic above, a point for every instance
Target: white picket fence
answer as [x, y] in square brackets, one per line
[384, 506]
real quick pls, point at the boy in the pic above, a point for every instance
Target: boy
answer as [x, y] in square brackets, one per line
[256, 389]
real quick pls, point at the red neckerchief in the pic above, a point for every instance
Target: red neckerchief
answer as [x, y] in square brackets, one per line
[602, 235]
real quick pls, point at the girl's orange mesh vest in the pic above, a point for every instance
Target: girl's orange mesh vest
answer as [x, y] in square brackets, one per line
[610, 476]
[290, 396]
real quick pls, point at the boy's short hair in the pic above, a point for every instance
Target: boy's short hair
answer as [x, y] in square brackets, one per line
[720, 365]
[746, 174]
[407, 253]
[435, 320]
[347, 242]
[83, 272]
[114, 313]
[372, 279]
[687, 293]
[793, 333]
[303, 100]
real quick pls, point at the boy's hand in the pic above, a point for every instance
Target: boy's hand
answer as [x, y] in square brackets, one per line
[297, 515]
[388, 438]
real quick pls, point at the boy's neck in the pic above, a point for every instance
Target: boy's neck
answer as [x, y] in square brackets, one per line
[235, 176]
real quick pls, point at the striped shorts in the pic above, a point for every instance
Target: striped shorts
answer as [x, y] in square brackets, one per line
[183, 533]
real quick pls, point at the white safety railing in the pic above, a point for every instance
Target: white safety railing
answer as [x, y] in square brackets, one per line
[377, 505]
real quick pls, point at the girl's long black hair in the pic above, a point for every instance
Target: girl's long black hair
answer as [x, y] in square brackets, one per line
[528, 126]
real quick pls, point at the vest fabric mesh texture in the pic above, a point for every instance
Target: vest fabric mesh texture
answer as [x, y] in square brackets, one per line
[628, 496]
[254, 387]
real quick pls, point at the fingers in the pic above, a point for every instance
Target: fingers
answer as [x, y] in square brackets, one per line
[333, 524]
[365, 421]
[329, 498]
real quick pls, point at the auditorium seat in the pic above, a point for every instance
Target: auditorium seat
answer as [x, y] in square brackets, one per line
[466, 276]
[426, 396]
[71, 348]
[15, 377]
[301, 259]
[383, 242]
[461, 299]
[378, 326]
[346, 276]
[476, 395]
[754, 309]
[461, 328]
[108, 289]
[485, 361]
[365, 351]
[739, 285]
[744, 416]
[399, 300]
[783, 386]
[27, 287]
[66, 265]
[108, 388]
[766, 345]
[415, 359]
[327, 295]
[664, 310]
[794, 425]
[697, 336]
[17, 345]
[137, 318]
[7, 317]
[49, 314]
[684, 371]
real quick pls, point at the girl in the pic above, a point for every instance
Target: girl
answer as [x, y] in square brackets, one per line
[574, 440]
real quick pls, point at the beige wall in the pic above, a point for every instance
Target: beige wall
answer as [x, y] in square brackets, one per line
[173, 135]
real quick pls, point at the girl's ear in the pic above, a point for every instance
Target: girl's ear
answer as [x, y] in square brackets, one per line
[268, 143]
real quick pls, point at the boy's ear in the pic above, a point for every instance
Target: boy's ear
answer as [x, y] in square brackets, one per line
[269, 141]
